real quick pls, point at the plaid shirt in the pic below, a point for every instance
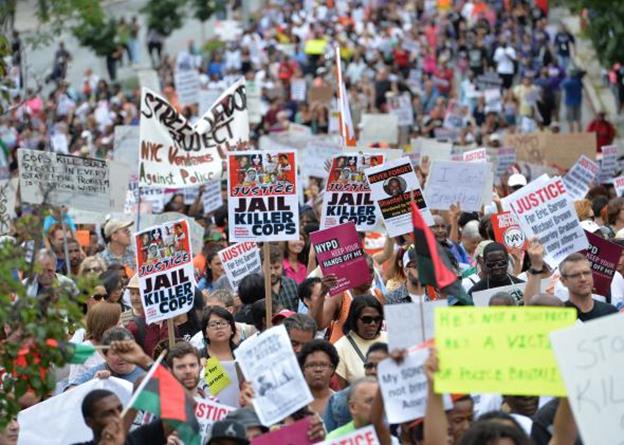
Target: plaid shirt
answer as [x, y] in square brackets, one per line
[127, 259]
[288, 296]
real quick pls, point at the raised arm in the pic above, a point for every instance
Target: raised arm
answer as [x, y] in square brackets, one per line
[436, 425]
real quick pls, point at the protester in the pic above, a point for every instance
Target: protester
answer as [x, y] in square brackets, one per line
[118, 249]
[495, 265]
[284, 288]
[318, 360]
[301, 330]
[185, 364]
[219, 331]
[361, 398]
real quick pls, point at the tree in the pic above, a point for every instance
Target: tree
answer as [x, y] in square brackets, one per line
[165, 16]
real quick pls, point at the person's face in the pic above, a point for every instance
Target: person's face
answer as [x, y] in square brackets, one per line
[186, 371]
[298, 338]
[296, 247]
[10, 434]
[439, 228]
[394, 188]
[470, 244]
[276, 272]
[74, 254]
[216, 267]
[317, 288]
[495, 265]
[106, 410]
[368, 323]
[135, 301]
[116, 294]
[57, 241]
[318, 370]
[577, 277]
[372, 360]
[411, 271]
[93, 268]
[460, 418]
[525, 405]
[122, 236]
[361, 403]
[47, 272]
[117, 364]
[218, 330]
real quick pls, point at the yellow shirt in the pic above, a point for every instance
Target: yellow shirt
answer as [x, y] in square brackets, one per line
[351, 366]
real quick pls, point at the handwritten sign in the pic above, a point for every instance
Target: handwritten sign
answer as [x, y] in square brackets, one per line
[608, 164]
[215, 376]
[401, 106]
[240, 260]
[406, 322]
[506, 157]
[580, 176]
[590, 360]
[450, 182]
[560, 149]
[604, 257]
[187, 86]
[499, 349]
[298, 90]
[379, 128]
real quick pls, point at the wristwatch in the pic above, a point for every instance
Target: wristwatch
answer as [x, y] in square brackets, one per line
[532, 271]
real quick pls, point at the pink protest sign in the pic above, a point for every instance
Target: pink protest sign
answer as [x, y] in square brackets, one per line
[339, 252]
[293, 434]
[603, 256]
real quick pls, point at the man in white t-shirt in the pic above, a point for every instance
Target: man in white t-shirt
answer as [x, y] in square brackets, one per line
[505, 56]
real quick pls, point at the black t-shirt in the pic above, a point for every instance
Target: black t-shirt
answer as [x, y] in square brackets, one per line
[489, 284]
[600, 309]
[562, 43]
[541, 430]
[152, 434]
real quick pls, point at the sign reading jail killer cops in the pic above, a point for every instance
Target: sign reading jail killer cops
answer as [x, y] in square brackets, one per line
[339, 252]
[499, 350]
[165, 269]
[57, 179]
[591, 359]
[347, 196]
[544, 210]
[239, 261]
[262, 196]
[580, 176]
[392, 185]
[450, 182]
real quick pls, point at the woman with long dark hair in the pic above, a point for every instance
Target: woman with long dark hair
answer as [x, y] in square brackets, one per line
[214, 270]
[219, 331]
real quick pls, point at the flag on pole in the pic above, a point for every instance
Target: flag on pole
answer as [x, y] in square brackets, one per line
[347, 132]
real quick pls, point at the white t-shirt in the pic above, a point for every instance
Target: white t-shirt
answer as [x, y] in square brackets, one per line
[504, 58]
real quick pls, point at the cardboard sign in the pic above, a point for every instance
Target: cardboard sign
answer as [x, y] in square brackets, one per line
[618, 184]
[499, 350]
[507, 231]
[608, 164]
[406, 323]
[476, 155]
[347, 196]
[450, 182]
[560, 149]
[604, 257]
[215, 376]
[165, 269]
[320, 94]
[270, 365]
[379, 128]
[392, 185]
[57, 179]
[545, 210]
[240, 260]
[339, 252]
[187, 86]
[295, 433]
[366, 435]
[434, 150]
[8, 191]
[207, 413]
[401, 106]
[262, 191]
[580, 176]
[590, 361]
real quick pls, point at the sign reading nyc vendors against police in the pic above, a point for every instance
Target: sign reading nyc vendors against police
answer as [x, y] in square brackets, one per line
[262, 196]
[165, 269]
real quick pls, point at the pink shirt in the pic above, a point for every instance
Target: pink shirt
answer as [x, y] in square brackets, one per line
[298, 275]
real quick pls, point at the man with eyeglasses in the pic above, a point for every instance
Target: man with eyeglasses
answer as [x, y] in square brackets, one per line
[495, 268]
[118, 250]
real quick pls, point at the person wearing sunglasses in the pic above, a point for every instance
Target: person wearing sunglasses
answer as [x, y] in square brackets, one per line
[494, 265]
[361, 329]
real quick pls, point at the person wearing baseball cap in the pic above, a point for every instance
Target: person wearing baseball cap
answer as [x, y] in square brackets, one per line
[411, 289]
[516, 182]
[228, 432]
[119, 241]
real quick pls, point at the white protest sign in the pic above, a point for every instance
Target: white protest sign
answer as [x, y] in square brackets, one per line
[476, 155]
[618, 184]
[608, 164]
[165, 270]
[57, 179]
[59, 421]
[404, 387]
[578, 179]
[212, 198]
[361, 436]
[493, 101]
[254, 102]
[313, 157]
[450, 182]
[434, 150]
[148, 78]
[8, 192]
[207, 413]
[262, 196]
[270, 365]
[239, 261]
[413, 151]
[126, 146]
[230, 395]
[401, 106]
[187, 86]
[378, 128]
[392, 185]
[506, 157]
[405, 322]
[298, 90]
[482, 298]
[544, 210]
[590, 360]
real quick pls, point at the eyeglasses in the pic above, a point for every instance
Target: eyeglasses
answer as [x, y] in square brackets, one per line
[574, 276]
[98, 297]
[321, 366]
[218, 324]
[369, 365]
[369, 320]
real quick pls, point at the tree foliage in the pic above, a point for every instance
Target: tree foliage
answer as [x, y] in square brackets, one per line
[203, 9]
[165, 16]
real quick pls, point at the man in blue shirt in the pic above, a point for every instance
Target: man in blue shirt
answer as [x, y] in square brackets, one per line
[573, 99]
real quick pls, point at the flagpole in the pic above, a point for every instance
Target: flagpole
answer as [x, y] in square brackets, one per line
[422, 318]
[343, 124]
[268, 294]
[141, 387]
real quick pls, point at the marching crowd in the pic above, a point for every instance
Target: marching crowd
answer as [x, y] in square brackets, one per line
[433, 51]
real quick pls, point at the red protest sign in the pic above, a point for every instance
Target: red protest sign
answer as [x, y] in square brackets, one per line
[603, 256]
[507, 231]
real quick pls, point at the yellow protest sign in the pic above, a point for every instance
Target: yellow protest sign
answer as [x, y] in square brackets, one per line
[215, 376]
[315, 46]
[502, 350]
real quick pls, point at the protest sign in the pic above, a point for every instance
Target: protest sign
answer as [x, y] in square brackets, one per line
[618, 185]
[499, 350]
[590, 361]
[262, 190]
[608, 164]
[187, 86]
[482, 298]
[544, 210]
[507, 231]
[493, 102]
[392, 185]
[579, 178]
[506, 157]
[604, 257]
[207, 413]
[254, 102]
[59, 143]
[295, 433]
[212, 197]
[412, 150]
[363, 436]
[298, 90]
[450, 182]
[59, 421]
[339, 252]
[560, 149]
[476, 155]
[270, 365]
[401, 106]
[347, 196]
[148, 78]
[240, 260]
[231, 394]
[165, 270]
[206, 98]
[406, 323]
[126, 146]
[197, 231]
[8, 191]
[313, 156]
[315, 46]
[379, 128]
[404, 387]
[215, 376]
[57, 179]
[489, 80]
[434, 150]
[320, 94]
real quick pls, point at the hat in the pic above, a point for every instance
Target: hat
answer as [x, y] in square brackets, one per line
[229, 429]
[481, 246]
[409, 257]
[495, 137]
[517, 180]
[246, 417]
[590, 226]
[284, 313]
[114, 225]
[134, 282]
